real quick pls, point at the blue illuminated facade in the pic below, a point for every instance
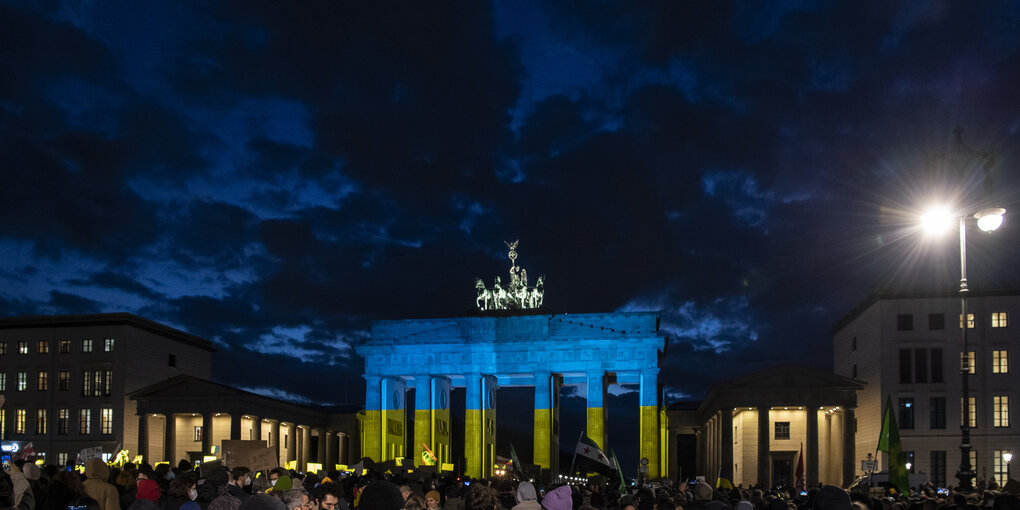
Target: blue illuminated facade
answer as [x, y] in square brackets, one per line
[483, 353]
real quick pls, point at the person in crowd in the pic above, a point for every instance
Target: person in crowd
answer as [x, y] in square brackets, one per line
[98, 486]
[380, 495]
[526, 497]
[414, 502]
[182, 492]
[293, 499]
[328, 496]
[432, 499]
[454, 501]
[240, 479]
[482, 497]
[559, 498]
[147, 496]
[262, 502]
[405, 491]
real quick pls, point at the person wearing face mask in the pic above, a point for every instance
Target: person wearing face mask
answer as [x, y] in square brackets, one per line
[182, 493]
[239, 483]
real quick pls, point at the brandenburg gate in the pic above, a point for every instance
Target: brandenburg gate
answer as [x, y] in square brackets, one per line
[509, 342]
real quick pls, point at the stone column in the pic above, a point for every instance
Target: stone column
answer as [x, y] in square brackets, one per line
[648, 400]
[170, 439]
[320, 455]
[143, 436]
[373, 429]
[330, 441]
[489, 387]
[440, 418]
[306, 447]
[596, 415]
[422, 416]
[341, 448]
[256, 428]
[764, 446]
[849, 445]
[473, 425]
[394, 419]
[726, 444]
[207, 432]
[235, 426]
[811, 449]
[545, 450]
[275, 439]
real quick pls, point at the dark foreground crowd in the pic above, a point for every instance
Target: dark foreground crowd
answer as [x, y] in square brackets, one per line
[29, 487]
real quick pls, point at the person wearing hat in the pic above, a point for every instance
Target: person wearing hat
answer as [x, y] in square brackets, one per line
[527, 497]
[559, 498]
[147, 496]
[380, 495]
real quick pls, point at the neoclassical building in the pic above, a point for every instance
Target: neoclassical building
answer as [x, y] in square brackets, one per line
[751, 430]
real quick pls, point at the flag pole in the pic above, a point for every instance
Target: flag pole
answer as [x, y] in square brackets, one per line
[571, 472]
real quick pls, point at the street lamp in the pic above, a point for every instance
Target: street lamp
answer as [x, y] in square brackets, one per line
[987, 220]
[1007, 457]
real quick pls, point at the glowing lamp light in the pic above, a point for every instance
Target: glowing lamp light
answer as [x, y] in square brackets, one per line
[1007, 457]
[936, 220]
[990, 219]
[909, 465]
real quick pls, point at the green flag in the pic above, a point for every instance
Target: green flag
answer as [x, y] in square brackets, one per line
[619, 472]
[889, 442]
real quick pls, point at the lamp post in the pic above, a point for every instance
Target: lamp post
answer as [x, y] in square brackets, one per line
[987, 220]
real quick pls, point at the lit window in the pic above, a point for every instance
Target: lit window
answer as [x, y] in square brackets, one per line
[62, 458]
[3, 382]
[107, 382]
[43, 346]
[970, 321]
[86, 383]
[86, 345]
[967, 363]
[40, 422]
[1001, 467]
[19, 421]
[64, 380]
[3, 348]
[998, 319]
[85, 422]
[63, 421]
[106, 421]
[108, 345]
[972, 412]
[22, 347]
[65, 346]
[42, 382]
[1000, 411]
[198, 433]
[22, 381]
[1000, 362]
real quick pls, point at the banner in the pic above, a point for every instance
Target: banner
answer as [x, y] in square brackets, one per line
[252, 454]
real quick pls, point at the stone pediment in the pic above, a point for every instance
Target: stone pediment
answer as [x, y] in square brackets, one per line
[185, 386]
[783, 385]
[790, 376]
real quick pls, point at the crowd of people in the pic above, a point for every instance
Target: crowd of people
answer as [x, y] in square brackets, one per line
[26, 486]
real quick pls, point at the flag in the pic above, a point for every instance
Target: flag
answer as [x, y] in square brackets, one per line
[721, 482]
[801, 484]
[591, 458]
[889, 442]
[619, 472]
[29, 449]
[427, 457]
[518, 467]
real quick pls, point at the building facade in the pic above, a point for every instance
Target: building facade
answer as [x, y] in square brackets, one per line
[907, 347]
[66, 379]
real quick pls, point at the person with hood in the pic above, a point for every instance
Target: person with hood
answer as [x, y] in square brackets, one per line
[27, 500]
[527, 497]
[146, 496]
[98, 487]
[559, 498]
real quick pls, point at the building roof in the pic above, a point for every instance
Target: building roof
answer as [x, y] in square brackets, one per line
[105, 319]
[913, 294]
[786, 384]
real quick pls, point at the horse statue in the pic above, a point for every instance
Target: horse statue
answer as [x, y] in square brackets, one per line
[499, 295]
[484, 300]
[537, 293]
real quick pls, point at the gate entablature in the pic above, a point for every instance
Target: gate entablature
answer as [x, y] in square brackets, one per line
[481, 353]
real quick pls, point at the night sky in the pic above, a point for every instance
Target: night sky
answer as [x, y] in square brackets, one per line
[273, 176]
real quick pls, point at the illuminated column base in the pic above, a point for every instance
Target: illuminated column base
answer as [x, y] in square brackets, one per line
[473, 425]
[372, 424]
[545, 453]
[596, 422]
[394, 418]
[649, 421]
[422, 416]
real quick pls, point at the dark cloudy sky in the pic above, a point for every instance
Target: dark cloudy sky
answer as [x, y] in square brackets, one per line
[274, 175]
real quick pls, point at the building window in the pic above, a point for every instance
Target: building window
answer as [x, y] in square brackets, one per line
[43, 347]
[19, 421]
[1001, 467]
[3, 382]
[906, 419]
[970, 321]
[22, 381]
[62, 459]
[65, 346]
[782, 430]
[908, 459]
[972, 412]
[938, 468]
[853, 344]
[3, 423]
[85, 422]
[1000, 362]
[64, 380]
[40, 422]
[23, 347]
[937, 413]
[86, 383]
[198, 433]
[936, 321]
[172, 361]
[1000, 411]
[853, 371]
[998, 319]
[905, 366]
[967, 362]
[973, 459]
[108, 345]
[921, 365]
[86, 345]
[936, 365]
[106, 421]
[63, 421]
[3, 348]
[904, 322]
[42, 382]
[96, 383]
